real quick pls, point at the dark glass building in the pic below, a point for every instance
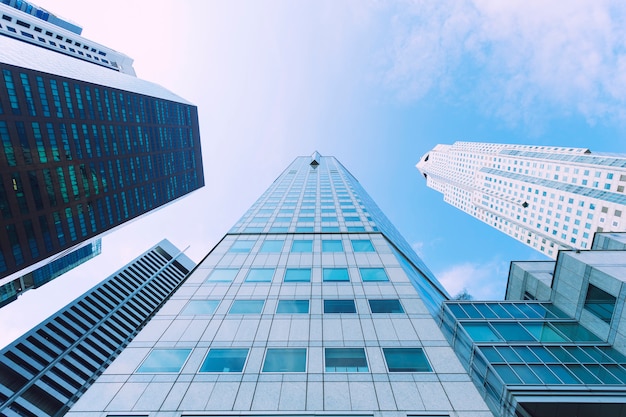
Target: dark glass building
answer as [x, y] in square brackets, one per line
[85, 146]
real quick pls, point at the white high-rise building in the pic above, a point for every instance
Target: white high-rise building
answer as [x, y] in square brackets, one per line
[547, 197]
[312, 305]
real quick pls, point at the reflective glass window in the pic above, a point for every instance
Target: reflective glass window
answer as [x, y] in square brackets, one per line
[222, 275]
[481, 332]
[194, 307]
[298, 275]
[292, 307]
[362, 245]
[335, 274]
[339, 306]
[285, 360]
[224, 360]
[242, 246]
[164, 360]
[246, 307]
[406, 360]
[373, 274]
[272, 246]
[600, 303]
[260, 275]
[345, 360]
[385, 306]
[332, 246]
[302, 246]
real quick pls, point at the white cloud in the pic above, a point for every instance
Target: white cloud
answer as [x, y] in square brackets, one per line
[483, 281]
[515, 59]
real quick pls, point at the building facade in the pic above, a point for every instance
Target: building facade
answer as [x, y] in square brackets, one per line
[557, 345]
[548, 198]
[312, 304]
[45, 371]
[85, 146]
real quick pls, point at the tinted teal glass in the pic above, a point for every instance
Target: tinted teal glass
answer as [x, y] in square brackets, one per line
[242, 246]
[356, 229]
[345, 360]
[260, 275]
[272, 246]
[194, 307]
[285, 360]
[406, 360]
[386, 306]
[339, 306]
[329, 229]
[373, 274]
[302, 246]
[164, 360]
[292, 307]
[246, 307]
[336, 274]
[298, 275]
[222, 275]
[304, 229]
[332, 246]
[224, 360]
[362, 245]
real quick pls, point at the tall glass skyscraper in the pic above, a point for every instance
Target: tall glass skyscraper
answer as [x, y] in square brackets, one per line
[546, 197]
[312, 304]
[85, 146]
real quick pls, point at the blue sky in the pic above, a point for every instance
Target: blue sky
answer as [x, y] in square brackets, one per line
[376, 84]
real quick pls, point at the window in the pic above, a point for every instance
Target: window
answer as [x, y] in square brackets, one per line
[406, 360]
[364, 245]
[373, 274]
[272, 246]
[224, 360]
[332, 246]
[386, 306]
[345, 360]
[246, 307]
[222, 275]
[600, 303]
[285, 360]
[335, 274]
[260, 275]
[302, 246]
[164, 360]
[292, 307]
[194, 307]
[339, 306]
[242, 246]
[298, 275]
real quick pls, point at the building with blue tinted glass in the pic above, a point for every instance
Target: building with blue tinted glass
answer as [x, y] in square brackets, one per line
[546, 197]
[45, 371]
[312, 304]
[557, 346]
[85, 146]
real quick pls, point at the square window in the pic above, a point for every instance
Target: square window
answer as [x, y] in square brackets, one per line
[363, 245]
[292, 307]
[298, 275]
[242, 246]
[406, 360]
[345, 360]
[260, 275]
[222, 275]
[332, 246]
[600, 303]
[285, 360]
[335, 274]
[197, 307]
[373, 274]
[164, 360]
[302, 246]
[272, 246]
[339, 306]
[224, 360]
[386, 306]
[246, 307]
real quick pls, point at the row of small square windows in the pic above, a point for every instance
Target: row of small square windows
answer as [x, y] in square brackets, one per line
[222, 360]
[208, 307]
[256, 275]
[302, 245]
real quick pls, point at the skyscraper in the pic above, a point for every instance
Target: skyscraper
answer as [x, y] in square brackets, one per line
[546, 197]
[311, 304]
[85, 145]
[47, 369]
